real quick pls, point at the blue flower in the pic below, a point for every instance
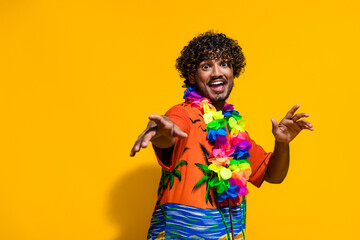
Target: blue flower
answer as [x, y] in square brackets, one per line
[229, 113]
[230, 192]
[212, 134]
[240, 154]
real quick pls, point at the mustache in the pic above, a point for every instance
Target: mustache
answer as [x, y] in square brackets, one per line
[215, 79]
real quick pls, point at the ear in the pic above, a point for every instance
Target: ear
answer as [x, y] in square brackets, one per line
[191, 78]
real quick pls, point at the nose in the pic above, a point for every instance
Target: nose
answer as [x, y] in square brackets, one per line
[216, 73]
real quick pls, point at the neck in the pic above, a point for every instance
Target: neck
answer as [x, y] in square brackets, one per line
[218, 105]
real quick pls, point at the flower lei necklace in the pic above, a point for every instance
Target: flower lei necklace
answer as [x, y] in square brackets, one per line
[229, 166]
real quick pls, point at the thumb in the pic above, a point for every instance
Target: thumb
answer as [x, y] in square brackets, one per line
[274, 124]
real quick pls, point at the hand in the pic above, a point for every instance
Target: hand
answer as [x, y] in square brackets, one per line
[161, 131]
[290, 126]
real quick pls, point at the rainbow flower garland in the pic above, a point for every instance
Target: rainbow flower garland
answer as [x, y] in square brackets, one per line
[229, 166]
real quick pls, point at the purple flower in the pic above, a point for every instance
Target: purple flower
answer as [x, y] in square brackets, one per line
[190, 93]
[221, 142]
[228, 107]
[212, 134]
[243, 145]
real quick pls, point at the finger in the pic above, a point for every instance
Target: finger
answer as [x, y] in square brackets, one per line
[163, 121]
[292, 111]
[138, 143]
[159, 120]
[306, 122]
[132, 152]
[298, 116]
[275, 125]
[178, 132]
[147, 138]
[148, 134]
[135, 148]
[305, 125]
[148, 130]
[151, 124]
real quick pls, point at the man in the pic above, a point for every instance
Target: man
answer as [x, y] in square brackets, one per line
[206, 155]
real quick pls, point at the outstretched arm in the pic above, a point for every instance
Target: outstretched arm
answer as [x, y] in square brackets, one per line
[284, 133]
[161, 131]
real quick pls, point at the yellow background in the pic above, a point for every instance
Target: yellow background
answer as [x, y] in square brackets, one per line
[79, 78]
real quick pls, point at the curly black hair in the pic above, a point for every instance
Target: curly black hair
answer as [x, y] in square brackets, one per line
[209, 45]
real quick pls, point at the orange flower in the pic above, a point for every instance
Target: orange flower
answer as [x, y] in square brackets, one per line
[221, 161]
[242, 174]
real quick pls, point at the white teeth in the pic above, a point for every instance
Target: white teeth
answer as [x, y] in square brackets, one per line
[217, 83]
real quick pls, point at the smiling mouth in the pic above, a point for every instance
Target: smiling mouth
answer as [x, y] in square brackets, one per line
[217, 85]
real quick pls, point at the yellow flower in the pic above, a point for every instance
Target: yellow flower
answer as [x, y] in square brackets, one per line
[236, 125]
[208, 117]
[225, 173]
[239, 167]
[243, 166]
[211, 115]
[218, 115]
[222, 171]
[215, 168]
[206, 106]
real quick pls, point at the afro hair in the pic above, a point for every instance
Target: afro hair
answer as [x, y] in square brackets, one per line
[209, 46]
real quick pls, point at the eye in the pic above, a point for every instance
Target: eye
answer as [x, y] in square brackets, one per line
[205, 66]
[224, 64]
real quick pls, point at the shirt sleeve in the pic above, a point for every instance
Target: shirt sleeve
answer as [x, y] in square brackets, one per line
[259, 160]
[180, 117]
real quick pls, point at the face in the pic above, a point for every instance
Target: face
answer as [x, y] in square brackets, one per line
[214, 79]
